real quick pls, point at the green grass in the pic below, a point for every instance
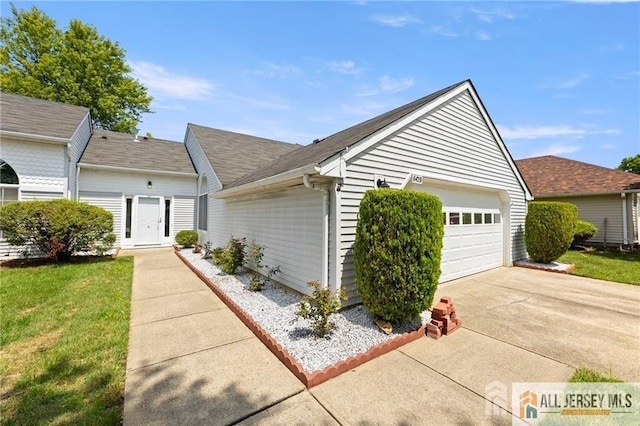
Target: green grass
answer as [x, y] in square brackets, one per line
[584, 374]
[618, 267]
[63, 344]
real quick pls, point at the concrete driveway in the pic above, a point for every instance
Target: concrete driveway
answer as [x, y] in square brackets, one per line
[192, 362]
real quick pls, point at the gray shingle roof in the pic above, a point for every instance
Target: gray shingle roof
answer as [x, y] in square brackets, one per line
[119, 150]
[327, 147]
[233, 155]
[39, 117]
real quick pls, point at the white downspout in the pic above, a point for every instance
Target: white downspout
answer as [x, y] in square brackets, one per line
[198, 201]
[325, 228]
[77, 194]
[625, 239]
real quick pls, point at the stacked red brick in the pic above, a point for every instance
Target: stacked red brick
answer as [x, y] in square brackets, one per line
[443, 318]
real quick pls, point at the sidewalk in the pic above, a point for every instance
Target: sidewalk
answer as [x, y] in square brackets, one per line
[191, 361]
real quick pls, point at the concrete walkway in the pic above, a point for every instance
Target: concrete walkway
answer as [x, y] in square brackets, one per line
[191, 361]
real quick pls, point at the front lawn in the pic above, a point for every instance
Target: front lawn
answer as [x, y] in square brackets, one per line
[619, 267]
[63, 343]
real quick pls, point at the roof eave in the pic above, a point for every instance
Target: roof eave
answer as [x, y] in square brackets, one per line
[259, 185]
[35, 138]
[135, 170]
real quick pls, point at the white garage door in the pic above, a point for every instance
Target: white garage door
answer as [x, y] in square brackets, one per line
[473, 236]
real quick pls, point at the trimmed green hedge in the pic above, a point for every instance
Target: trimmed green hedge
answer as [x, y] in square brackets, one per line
[584, 231]
[58, 228]
[549, 229]
[397, 252]
[187, 238]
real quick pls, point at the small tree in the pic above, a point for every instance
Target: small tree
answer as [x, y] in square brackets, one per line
[549, 230]
[57, 228]
[397, 252]
[318, 306]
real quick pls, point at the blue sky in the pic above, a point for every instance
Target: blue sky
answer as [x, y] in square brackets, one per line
[560, 78]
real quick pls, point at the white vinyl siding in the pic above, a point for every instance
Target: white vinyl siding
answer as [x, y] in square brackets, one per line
[184, 209]
[37, 195]
[77, 146]
[41, 167]
[135, 183]
[289, 224]
[453, 142]
[597, 208]
[111, 202]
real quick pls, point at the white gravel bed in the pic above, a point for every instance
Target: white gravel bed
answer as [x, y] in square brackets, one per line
[555, 266]
[274, 309]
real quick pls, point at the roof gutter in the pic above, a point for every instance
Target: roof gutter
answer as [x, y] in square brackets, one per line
[35, 138]
[585, 194]
[130, 169]
[253, 187]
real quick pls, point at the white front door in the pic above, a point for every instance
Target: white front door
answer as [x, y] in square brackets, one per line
[148, 221]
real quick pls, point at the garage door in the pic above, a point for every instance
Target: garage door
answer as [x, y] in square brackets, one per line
[473, 230]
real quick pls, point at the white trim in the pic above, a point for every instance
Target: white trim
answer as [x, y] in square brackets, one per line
[587, 194]
[34, 138]
[134, 170]
[438, 179]
[625, 231]
[337, 237]
[261, 184]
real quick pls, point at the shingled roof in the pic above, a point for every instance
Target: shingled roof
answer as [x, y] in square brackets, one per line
[233, 155]
[39, 117]
[119, 150]
[552, 176]
[328, 147]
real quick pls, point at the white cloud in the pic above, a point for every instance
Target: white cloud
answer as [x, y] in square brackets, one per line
[604, 1]
[162, 82]
[539, 132]
[387, 85]
[397, 21]
[556, 149]
[483, 36]
[628, 75]
[274, 104]
[490, 15]
[595, 111]
[612, 47]
[368, 108]
[607, 145]
[275, 70]
[444, 31]
[345, 67]
[568, 83]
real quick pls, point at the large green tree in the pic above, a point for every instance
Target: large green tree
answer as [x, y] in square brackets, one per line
[77, 66]
[630, 164]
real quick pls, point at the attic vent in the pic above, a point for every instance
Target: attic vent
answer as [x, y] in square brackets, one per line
[103, 136]
[317, 140]
[145, 138]
[136, 139]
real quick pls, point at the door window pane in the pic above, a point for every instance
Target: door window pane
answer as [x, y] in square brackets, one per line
[454, 218]
[466, 218]
[487, 217]
[167, 217]
[496, 218]
[477, 218]
[127, 229]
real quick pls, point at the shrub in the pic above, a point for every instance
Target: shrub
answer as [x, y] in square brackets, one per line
[232, 256]
[397, 252]
[549, 229]
[217, 255]
[58, 228]
[584, 231]
[318, 306]
[187, 238]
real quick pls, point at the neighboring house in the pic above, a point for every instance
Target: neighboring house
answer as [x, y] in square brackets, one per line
[303, 205]
[301, 202]
[150, 186]
[50, 150]
[605, 197]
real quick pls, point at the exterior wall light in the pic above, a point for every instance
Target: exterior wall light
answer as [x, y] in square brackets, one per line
[149, 185]
[382, 183]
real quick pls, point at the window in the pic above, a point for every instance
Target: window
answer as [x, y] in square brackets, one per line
[454, 218]
[487, 217]
[127, 229]
[167, 217]
[8, 176]
[496, 218]
[466, 218]
[202, 212]
[477, 218]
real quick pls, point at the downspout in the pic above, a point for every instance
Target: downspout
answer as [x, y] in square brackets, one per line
[77, 182]
[325, 228]
[625, 239]
[199, 186]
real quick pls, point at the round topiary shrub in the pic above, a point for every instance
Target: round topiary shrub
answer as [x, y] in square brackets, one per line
[187, 238]
[584, 231]
[549, 229]
[397, 252]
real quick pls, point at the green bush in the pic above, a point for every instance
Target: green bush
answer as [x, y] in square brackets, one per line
[584, 231]
[549, 229]
[187, 238]
[397, 252]
[57, 228]
[232, 255]
[318, 306]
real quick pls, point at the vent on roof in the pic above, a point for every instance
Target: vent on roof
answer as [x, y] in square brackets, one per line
[318, 140]
[103, 136]
[136, 139]
[145, 138]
